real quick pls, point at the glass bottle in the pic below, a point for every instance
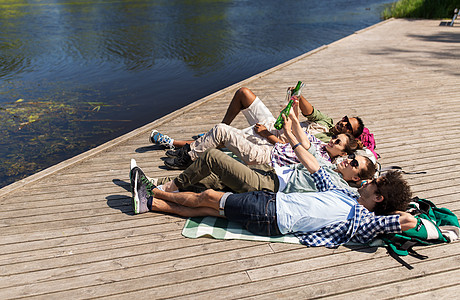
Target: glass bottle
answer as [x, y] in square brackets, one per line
[279, 123]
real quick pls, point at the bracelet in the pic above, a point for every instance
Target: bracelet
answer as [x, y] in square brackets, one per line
[295, 146]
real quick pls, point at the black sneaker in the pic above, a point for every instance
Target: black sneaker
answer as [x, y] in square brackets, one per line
[179, 163]
[179, 152]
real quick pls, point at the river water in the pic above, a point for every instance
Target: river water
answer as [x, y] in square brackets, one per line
[77, 73]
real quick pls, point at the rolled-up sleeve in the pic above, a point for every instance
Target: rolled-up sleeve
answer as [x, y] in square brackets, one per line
[372, 225]
[323, 180]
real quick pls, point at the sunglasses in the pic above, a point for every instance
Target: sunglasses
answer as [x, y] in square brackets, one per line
[347, 123]
[374, 181]
[354, 162]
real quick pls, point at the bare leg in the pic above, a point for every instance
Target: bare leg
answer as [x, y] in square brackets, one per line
[208, 198]
[305, 107]
[242, 99]
[180, 144]
[184, 211]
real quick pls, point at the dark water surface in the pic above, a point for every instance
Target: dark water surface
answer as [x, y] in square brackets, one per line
[77, 73]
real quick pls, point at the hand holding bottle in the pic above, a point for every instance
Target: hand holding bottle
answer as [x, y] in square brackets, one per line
[295, 109]
[291, 95]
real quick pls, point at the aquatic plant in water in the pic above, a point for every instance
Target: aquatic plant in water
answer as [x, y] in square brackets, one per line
[33, 130]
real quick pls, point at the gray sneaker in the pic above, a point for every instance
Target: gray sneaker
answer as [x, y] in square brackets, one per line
[143, 195]
[134, 168]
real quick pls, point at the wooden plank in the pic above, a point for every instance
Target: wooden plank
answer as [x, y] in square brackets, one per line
[329, 279]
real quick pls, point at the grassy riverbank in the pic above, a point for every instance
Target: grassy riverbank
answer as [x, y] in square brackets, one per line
[426, 9]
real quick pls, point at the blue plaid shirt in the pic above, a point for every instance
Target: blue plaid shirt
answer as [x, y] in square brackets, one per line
[362, 228]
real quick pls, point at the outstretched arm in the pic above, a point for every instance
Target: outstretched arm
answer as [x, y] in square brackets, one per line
[297, 130]
[406, 220]
[294, 134]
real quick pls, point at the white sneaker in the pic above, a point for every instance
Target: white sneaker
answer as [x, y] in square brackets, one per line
[158, 138]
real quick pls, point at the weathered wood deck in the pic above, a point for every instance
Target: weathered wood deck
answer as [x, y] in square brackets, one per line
[68, 231]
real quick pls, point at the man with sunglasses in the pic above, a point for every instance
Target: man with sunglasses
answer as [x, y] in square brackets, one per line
[354, 125]
[254, 144]
[330, 217]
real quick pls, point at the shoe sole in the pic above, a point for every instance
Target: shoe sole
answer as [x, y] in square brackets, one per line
[131, 173]
[133, 163]
[151, 136]
[136, 202]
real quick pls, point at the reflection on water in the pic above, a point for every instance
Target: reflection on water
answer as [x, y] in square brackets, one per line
[76, 73]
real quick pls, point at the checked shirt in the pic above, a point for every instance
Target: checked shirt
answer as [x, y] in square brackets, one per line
[362, 228]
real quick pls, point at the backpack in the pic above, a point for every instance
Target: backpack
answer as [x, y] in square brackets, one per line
[434, 225]
[368, 141]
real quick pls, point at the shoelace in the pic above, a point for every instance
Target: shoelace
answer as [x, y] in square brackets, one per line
[162, 138]
[150, 186]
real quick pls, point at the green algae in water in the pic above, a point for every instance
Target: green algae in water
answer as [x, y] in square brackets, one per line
[34, 131]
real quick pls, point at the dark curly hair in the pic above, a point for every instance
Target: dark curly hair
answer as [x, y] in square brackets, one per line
[395, 191]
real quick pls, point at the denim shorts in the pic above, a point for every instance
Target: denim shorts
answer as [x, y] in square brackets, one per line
[256, 211]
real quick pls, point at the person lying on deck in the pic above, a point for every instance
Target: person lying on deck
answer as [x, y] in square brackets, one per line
[330, 217]
[255, 144]
[216, 170]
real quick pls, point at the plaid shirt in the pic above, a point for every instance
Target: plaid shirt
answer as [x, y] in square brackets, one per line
[362, 228]
[283, 155]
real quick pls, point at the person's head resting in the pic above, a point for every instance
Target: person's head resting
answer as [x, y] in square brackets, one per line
[354, 126]
[356, 168]
[342, 144]
[386, 194]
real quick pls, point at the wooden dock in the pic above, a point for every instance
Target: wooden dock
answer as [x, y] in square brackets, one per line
[68, 232]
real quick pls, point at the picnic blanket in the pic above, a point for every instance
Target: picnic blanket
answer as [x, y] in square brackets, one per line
[223, 229]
